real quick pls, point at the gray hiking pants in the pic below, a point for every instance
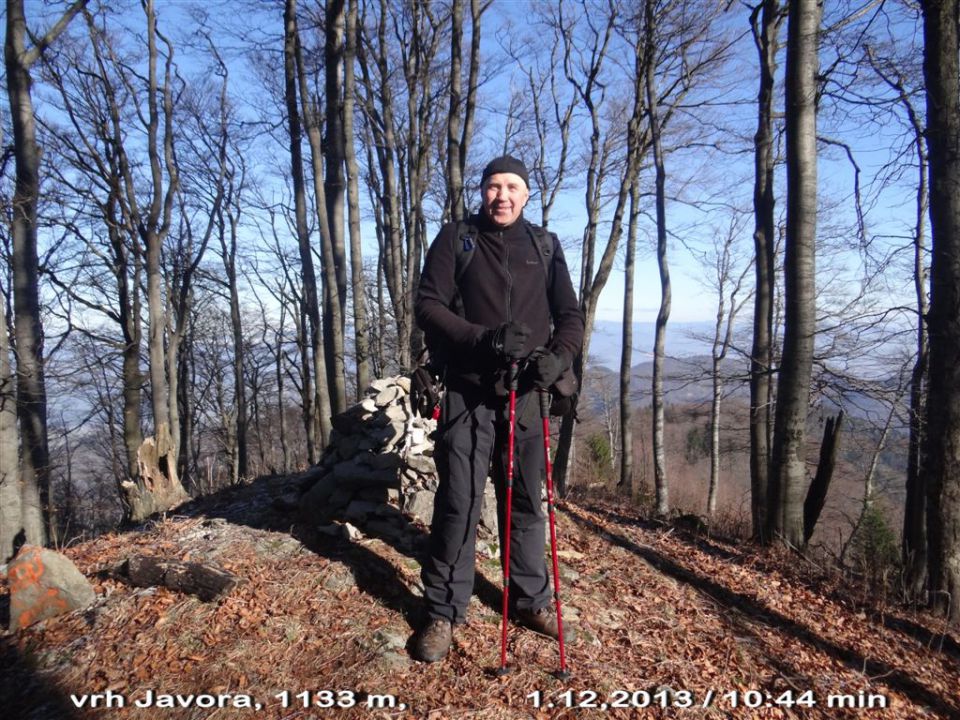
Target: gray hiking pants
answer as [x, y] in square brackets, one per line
[472, 431]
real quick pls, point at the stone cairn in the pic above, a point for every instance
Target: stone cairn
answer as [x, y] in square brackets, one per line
[378, 473]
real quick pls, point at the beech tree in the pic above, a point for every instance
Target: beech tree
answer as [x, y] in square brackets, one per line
[891, 71]
[34, 473]
[16, 511]
[788, 473]
[317, 407]
[941, 69]
[765, 20]
[360, 332]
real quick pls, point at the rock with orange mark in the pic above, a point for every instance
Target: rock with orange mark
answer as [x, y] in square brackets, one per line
[44, 584]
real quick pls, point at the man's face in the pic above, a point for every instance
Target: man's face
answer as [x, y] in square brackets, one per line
[504, 197]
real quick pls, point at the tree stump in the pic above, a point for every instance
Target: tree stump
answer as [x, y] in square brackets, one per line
[157, 489]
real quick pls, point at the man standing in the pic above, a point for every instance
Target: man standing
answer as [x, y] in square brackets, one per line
[513, 296]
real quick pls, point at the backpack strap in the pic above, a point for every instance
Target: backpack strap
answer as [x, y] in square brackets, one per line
[545, 242]
[463, 246]
[466, 241]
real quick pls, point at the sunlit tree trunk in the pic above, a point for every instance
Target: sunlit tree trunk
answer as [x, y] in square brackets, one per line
[626, 350]
[37, 513]
[361, 335]
[766, 36]
[11, 519]
[318, 411]
[333, 256]
[661, 487]
[788, 478]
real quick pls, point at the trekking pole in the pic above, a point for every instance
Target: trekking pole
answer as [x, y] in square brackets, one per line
[505, 554]
[562, 673]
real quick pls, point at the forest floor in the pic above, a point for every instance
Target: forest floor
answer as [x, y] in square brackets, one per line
[671, 624]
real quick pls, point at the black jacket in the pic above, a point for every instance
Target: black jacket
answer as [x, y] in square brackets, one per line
[504, 281]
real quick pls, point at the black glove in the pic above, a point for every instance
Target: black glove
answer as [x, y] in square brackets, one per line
[547, 368]
[509, 340]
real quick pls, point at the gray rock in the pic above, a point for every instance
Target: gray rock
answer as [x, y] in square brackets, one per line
[351, 532]
[419, 505]
[315, 503]
[379, 385]
[389, 645]
[339, 500]
[374, 494]
[386, 528]
[568, 574]
[352, 419]
[396, 413]
[340, 579]
[44, 584]
[488, 512]
[386, 639]
[387, 396]
[359, 474]
[359, 510]
[384, 461]
[403, 382]
[421, 464]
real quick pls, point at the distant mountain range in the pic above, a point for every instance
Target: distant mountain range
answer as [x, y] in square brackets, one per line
[687, 370]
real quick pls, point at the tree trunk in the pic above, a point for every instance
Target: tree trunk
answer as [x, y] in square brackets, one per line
[661, 487]
[626, 350]
[319, 410]
[153, 230]
[236, 324]
[27, 322]
[592, 283]
[788, 474]
[914, 537]
[817, 494]
[455, 205]
[914, 515]
[333, 256]
[361, 335]
[129, 312]
[11, 516]
[942, 447]
[761, 356]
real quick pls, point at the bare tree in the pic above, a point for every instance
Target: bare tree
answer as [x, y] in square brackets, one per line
[941, 71]
[360, 333]
[13, 519]
[788, 474]
[661, 502]
[914, 536]
[765, 20]
[27, 322]
[333, 255]
[626, 346]
[727, 279]
[460, 116]
[319, 408]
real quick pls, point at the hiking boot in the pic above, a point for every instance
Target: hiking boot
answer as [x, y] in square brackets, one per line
[544, 621]
[433, 640]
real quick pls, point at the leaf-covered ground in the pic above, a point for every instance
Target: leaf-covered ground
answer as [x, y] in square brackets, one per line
[671, 625]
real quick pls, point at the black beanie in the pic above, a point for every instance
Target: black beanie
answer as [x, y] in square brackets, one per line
[506, 164]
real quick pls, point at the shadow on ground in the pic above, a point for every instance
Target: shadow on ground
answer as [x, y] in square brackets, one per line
[755, 612]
